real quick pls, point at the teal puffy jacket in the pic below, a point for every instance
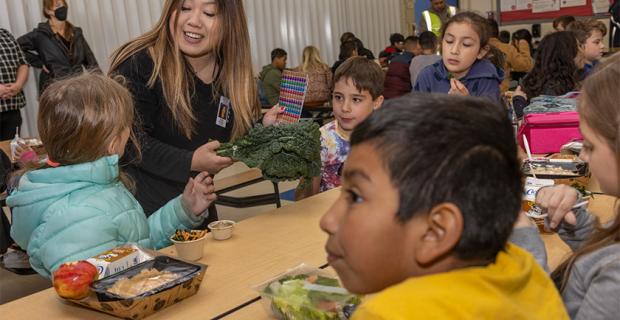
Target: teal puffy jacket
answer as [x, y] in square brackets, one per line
[74, 212]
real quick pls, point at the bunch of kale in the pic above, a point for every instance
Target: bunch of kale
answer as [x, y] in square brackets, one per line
[282, 152]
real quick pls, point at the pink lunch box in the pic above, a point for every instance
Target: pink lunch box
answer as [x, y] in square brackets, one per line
[547, 132]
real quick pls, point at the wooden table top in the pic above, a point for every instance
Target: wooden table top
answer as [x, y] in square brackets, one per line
[557, 251]
[261, 248]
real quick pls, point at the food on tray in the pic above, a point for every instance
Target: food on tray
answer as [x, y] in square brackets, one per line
[309, 297]
[72, 280]
[558, 167]
[184, 235]
[145, 281]
[551, 170]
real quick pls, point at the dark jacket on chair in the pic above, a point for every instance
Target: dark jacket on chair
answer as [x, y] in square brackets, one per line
[398, 79]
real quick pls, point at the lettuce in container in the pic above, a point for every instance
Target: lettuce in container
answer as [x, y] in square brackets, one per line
[308, 293]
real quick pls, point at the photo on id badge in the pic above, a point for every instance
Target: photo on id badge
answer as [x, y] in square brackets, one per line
[223, 112]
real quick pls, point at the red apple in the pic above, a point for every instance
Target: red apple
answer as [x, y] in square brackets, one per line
[72, 280]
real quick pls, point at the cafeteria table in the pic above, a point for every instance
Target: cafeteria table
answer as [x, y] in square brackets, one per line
[261, 248]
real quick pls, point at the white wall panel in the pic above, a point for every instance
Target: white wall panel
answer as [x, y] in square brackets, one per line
[289, 24]
[294, 24]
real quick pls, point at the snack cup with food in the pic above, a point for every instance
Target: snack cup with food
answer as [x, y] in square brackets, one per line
[308, 293]
[189, 244]
[222, 229]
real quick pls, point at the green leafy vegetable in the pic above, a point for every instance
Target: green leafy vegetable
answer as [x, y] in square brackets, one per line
[282, 152]
[308, 297]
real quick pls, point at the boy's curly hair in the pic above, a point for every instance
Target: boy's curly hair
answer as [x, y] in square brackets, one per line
[583, 29]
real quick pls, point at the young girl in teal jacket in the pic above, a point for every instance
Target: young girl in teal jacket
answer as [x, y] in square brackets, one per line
[78, 204]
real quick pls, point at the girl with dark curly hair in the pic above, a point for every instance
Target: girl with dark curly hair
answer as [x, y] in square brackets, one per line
[557, 63]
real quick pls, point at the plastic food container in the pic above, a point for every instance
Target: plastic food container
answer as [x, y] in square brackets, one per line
[222, 229]
[187, 282]
[178, 271]
[190, 250]
[307, 293]
[555, 168]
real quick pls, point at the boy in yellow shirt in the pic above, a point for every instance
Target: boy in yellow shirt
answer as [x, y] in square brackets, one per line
[430, 192]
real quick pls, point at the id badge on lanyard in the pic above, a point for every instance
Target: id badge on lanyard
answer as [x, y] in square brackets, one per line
[223, 112]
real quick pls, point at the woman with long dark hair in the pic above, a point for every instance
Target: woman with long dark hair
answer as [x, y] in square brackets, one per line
[192, 82]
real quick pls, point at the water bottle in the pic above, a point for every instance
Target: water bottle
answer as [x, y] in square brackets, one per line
[15, 143]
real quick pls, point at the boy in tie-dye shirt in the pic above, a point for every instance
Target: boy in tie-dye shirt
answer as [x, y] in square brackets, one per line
[358, 91]
[334, 150]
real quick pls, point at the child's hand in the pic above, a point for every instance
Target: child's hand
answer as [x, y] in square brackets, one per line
[457, 88]
[558, 201]
[199, 193]
[271, 116]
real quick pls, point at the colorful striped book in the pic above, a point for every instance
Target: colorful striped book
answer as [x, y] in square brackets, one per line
[293, 89]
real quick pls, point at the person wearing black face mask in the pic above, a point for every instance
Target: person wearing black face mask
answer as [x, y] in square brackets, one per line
[56, 46]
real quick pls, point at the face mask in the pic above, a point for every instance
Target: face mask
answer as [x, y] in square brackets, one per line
[61, 13]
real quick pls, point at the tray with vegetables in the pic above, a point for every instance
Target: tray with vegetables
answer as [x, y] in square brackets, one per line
[308, 293]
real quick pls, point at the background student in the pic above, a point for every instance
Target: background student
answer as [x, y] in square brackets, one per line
[428, 42]
[463, 69]
[348, 50]
[271, 75]
[397, 77]
[517, 59]
[320, 77]
[555, 72]
[358, 92]
[560, 23]
[589, 33]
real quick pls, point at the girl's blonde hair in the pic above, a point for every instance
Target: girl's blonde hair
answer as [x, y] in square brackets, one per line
[49, 5]
[233, 59]
[598, 108]
[311, 60]
[79, 117]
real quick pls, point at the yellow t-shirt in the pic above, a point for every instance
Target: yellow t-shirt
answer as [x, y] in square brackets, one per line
[514, 287]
